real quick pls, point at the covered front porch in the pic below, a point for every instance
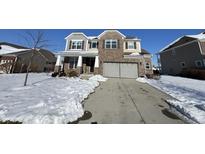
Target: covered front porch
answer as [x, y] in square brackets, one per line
[82, 63]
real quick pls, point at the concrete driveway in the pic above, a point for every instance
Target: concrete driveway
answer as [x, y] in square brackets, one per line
[125, 101]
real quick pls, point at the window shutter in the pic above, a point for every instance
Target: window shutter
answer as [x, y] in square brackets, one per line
[135, 45]
[126, 45]
[118, 43]
[97, 44]
[82, 44]
[90, 45]
[70, 44]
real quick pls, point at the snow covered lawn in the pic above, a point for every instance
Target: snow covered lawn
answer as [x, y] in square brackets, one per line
[44, 100]
[190, 95]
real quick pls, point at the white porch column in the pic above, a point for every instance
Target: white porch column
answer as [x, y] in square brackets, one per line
[96, 62]
[139, 45]
[79, 61]
[58, 61]
[62, 62]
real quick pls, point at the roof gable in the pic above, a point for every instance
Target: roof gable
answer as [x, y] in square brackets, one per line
[76, 33]
[106, 31]
[184, 39]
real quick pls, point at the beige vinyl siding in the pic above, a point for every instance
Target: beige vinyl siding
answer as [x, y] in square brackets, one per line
[137, 50]
[76, 37]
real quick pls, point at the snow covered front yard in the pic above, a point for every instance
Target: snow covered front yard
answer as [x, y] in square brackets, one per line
[189, 94]
[44, 99]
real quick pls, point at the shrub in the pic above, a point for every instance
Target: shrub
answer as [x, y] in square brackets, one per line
[156, 72]
[73, 73]
[193, 73]
[62, 74]
[54, 74]
[149, 76]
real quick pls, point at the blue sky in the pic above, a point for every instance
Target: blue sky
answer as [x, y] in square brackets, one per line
[151, 39]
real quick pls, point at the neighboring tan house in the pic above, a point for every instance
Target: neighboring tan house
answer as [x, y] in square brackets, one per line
[15, 59]
[111, 54]
[187, 52]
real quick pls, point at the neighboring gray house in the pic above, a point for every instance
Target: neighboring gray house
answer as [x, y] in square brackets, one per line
[111, 54]
[187, 52]
[15, 59]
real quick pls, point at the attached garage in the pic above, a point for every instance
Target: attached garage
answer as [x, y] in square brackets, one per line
[120, 70]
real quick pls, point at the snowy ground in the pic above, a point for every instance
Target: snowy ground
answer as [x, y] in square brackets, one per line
[98, 78]
[44, 100]
[190, 95]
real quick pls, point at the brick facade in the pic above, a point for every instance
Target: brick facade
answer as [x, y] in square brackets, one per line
[110, 54]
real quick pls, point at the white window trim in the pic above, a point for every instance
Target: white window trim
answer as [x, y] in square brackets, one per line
[92, 44]
[147, 65]
[133, 43]
[196, 63]
[76, 46]
[111, 40]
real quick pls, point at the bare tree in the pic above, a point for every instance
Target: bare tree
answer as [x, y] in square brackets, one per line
[35, 40]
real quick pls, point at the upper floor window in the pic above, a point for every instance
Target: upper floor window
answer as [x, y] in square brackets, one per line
[94, 44]
[76, 44]
[131, 45]
[111, 44]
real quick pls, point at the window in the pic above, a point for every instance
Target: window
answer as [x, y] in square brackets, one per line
[131, 45]
[198, 63]
[111, 44]
[73, 62]
[147, 66]
[76, 44]
[94, 44]
[182, 64]
[0, 48]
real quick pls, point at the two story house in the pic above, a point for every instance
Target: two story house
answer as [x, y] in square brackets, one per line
[111, 54]
[186, 52]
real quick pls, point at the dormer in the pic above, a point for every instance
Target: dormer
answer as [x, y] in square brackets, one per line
[76, 42]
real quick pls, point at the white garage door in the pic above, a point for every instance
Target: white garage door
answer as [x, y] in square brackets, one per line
[111, 70]
[123, 70]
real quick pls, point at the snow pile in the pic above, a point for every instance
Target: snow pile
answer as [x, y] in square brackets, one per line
[142, 80]
[98, 78]
[44, 100]
[189, 94]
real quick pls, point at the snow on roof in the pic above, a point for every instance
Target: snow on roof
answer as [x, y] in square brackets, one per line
[131, 38]
[92, 37]
[2, 52]
[197, 36]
